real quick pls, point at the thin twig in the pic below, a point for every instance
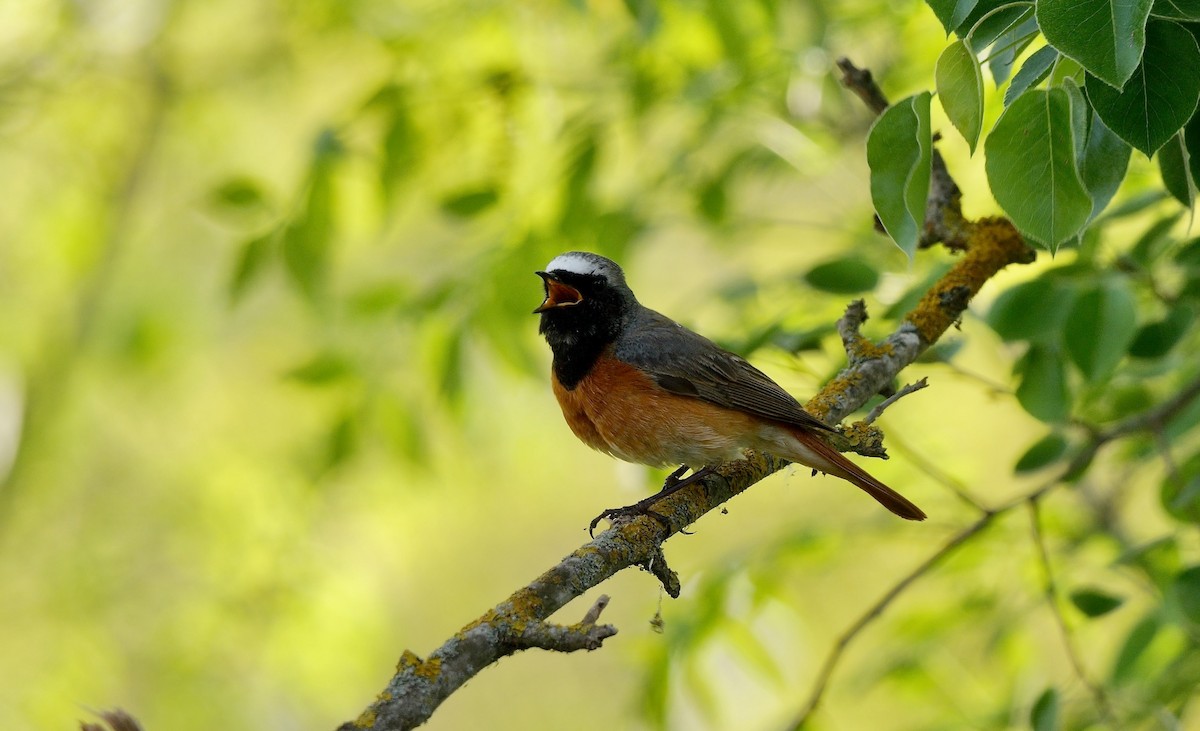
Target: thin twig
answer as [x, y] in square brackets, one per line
[1156, 418]
[1064, 631]
[899, 443]
[910, 388]
[876, 609]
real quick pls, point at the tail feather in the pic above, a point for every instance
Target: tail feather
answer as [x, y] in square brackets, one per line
[819, 455]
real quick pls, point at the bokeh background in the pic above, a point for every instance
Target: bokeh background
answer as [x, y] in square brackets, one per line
[273, 407]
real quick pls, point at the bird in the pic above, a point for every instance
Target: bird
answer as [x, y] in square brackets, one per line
[639, 386]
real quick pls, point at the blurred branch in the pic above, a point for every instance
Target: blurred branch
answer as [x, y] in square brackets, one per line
[1051, 590]
[419, 686]
[1151, 420]
[116, 720]
[47, 381]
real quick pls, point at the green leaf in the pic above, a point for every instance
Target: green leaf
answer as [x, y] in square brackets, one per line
[1105, 36]
[952, 13]
[239, 193]
[1160, 96]
[899, 150]
[960, 89]
[1191, 139]
[1125, 667]
[1155, 339]
[1033, 310]
[1100, 327]
[1187, 10]
[1044, 451]
[1094, 602]
[401, 142]
[307, 237]
[1188, 254]
[1103, 164]
[470, 202]
[1043, 389]
[1044, 715]
[847, 275]
[1186, 591]
[1180, 492]
[1150, 245]
[323, 369]
[251, 263]
[1035, 69]
[1009, 45]
[1031, 167]
[986, 27]
[1173, 166]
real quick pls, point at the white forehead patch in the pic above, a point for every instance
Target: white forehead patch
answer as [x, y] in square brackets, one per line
[578, 263]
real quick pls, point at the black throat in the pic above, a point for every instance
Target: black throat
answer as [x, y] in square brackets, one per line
[579, 334]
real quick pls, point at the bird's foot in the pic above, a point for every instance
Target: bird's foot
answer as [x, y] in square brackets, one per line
[672, 485]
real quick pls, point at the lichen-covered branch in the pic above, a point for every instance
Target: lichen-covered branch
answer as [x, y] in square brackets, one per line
[420, 685]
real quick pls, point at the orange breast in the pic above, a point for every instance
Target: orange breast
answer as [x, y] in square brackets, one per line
[619, 410]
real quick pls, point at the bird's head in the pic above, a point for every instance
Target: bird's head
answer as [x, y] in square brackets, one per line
[587, 299]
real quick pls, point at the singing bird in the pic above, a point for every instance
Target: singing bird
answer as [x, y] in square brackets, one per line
[639, 386]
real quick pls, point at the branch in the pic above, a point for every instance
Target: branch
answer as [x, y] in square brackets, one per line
[419, 686]
[1148, 421]
[1051, 591]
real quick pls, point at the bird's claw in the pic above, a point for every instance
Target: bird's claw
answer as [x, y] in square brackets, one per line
[628, 512]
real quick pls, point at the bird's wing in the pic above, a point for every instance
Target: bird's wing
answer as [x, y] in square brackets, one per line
[689, 364]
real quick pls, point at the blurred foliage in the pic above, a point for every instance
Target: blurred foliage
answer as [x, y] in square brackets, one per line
[273, 407]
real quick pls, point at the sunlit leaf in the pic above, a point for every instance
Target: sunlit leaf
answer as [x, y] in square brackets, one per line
[1103, 164]
[1160, 96]
[1009, 46]
[1186, 591]
[401, 142]
[1094, 602]
[1151, 244]
[1044, 714]
[1186, 10]
[1043, 389]
[1156, 339]
[1105, 36]
[240, 193]
[323, 369]
[1173, 167]
[1033, 310]
[470, 202]
[1100, 327]
[952, 13]
[307, 237]
[251, 262]
[1032, 169]
[1041, 453]
[1125, 668]
[899, 150]
[847, 275]
[1180, 491]
[1035, 69]
[960, 89]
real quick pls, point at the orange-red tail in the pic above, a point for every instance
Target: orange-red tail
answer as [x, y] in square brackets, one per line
[825, 458]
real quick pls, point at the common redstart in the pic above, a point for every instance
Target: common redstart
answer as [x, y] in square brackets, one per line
[639, 386]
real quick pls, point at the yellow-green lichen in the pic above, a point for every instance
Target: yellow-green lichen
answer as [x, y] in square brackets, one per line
[366, 719]
[430, 669]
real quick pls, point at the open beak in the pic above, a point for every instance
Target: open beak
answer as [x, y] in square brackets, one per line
[557, 294]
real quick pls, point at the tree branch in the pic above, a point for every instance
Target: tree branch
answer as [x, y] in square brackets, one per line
[419, 686]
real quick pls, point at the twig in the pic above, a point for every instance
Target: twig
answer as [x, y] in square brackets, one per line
[929, 467]
[1155, 418]
[910, 388]
[876, 610]
[1051, 590]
